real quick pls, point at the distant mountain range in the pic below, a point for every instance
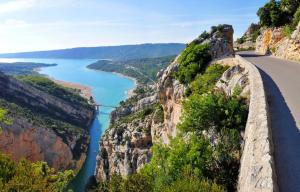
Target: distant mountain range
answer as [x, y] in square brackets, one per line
[106, 52]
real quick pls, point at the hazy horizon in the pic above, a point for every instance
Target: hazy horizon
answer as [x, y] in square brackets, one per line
[39, 25]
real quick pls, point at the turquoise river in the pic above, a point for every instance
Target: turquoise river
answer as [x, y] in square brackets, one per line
[107, 88]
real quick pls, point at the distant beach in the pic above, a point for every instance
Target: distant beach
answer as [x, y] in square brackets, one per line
[130, 92]
[85, 91]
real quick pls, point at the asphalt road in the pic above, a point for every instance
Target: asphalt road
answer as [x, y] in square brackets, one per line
[282, 83]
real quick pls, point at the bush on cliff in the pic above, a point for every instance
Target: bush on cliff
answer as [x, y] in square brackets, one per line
[4, 119]
[192, 61]
[27, 176]
[205, 82]
[206, 153]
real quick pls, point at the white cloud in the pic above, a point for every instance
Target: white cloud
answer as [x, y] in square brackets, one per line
[15, 23]
[16, 5]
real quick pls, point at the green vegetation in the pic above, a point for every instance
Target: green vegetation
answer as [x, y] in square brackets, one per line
[206, 153]
[15, 111]
[255, 34]
[279, 13]
[139, 115]
[4, 119]
[241, 40]
[22, 68]
[287, 31]
[192, 61]
[48, 86]
[205, 82]
[227, 113]
[296, 19]
[26, 176]
[159, 113]
[143, 70]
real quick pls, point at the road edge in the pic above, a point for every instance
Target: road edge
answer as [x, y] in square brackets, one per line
[257, 169]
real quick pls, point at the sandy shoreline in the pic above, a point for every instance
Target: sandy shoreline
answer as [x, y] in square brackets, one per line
[86, 91]
[130, 92]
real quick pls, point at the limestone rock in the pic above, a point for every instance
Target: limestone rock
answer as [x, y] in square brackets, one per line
[248, 37]
[272, 41]
[125, 146]
[232, 78]
[24, 138]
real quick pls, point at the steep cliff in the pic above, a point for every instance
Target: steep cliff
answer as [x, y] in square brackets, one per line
[274, 41]
[43, 126]
[152, 116]
[171, 92]
[125, 146]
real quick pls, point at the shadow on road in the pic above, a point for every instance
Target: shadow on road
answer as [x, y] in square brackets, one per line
[286, 138]
[249, 54]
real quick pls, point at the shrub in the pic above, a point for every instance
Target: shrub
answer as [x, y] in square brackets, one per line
[287, 31]
[206, 82]
[26, 176]
[290, 6]
[278, 13]
[264, 16]
[228, 112]
[193, 60]
[255, 35]
[191, 184]
[204, 35]
[241, 40]
[4, 119]
[296, 19]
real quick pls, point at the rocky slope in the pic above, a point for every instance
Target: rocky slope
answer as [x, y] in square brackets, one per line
[126, 144]
[152, 116]
[273, 41]
[42, 126]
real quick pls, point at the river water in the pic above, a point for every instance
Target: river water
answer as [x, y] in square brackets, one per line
[107, 88]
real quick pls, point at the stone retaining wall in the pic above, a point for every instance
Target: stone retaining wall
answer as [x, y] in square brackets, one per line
[257, 171]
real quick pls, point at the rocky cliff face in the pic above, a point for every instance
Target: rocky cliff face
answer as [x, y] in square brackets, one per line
[151, 117]
[171, 92]
[43, 127]
[125, 146]
[273, 41]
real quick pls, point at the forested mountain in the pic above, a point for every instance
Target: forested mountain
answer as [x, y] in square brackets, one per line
[106, 52]
[143, 70]
[22, 68]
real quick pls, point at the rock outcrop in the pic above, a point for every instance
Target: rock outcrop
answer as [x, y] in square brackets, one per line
[234, 78]
[43, 127]
[171, 92]
[219, 40]
[273, 41]
[152, 117]
[125, 146]
[247, 41]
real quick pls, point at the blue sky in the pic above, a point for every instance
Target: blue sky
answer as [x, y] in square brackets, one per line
[29, 25]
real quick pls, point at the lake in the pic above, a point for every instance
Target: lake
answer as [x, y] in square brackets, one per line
[108, 89]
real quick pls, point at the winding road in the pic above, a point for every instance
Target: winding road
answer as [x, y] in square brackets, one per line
[282, 83]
